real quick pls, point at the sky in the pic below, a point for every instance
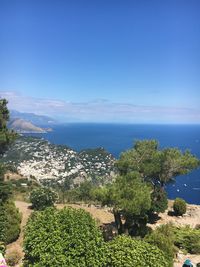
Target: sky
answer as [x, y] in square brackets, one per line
[130, 61]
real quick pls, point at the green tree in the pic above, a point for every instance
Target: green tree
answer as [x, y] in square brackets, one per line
[42, 198]
[131, 199]
[156, 166]
[66, 237]
[6, 137]
[125, 251]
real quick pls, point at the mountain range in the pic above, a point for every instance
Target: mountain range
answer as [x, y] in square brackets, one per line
[29, 122]
[39, 120]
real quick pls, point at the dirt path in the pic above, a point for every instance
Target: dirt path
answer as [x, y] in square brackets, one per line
[103, 216]
[17, 245]
[192, 216]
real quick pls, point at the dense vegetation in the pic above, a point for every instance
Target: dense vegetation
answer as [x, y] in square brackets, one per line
[125, 251]
[66, 237]
[70, 237]
[9, 215]
[188, 239]
[139, 190]
[42, 198]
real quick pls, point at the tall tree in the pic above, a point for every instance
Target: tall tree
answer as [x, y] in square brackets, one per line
[6, 136]
[156, 166]
[131, 200]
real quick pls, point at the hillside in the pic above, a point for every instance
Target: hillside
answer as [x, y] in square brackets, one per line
[40, 120]
[37, 157]
[23, 126]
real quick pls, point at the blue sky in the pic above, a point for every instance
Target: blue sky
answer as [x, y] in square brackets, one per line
[102, 60]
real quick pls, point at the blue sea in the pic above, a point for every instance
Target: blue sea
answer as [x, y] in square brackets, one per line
[116, 138]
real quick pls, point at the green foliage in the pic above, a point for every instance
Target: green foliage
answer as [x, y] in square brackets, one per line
[13, 220]
[188, 239]
[2, 247]
[84, 191]
[42, 198]
[163, 237]
[159, 202]
[10, 220]
[156, 165]
[131, 195]
[141, 158]
[6, 136]
[66, 237]
[2, 223]
[125, 251]
[179, 206]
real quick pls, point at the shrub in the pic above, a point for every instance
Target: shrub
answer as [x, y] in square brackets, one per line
[66, 237]
[163, 238]
[125, 251]
[188, 239]
[13, 257]
[13, 220]
[10, 220]
[42, 198]
[2, 248]
[179, 206]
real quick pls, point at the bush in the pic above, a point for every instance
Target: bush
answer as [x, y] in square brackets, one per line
[125, 251]
[179, 206]
[66, 237]
[163, 238]
[42, 198]
[10, 220]
[188, 239]
[2, 248]
[13, 257]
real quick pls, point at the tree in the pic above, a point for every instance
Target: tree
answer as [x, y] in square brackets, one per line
[42, 198]
[131, 199]
[6, 136]
[125, 251]
[66, 237]
[7, 214]
[156, 166]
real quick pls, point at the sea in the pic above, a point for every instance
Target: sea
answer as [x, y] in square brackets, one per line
[116, 138]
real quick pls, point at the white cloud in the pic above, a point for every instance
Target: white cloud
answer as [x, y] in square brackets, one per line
[101, 110]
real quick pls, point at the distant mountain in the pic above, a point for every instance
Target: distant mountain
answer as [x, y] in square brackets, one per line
[39, 120]
[23, 126]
